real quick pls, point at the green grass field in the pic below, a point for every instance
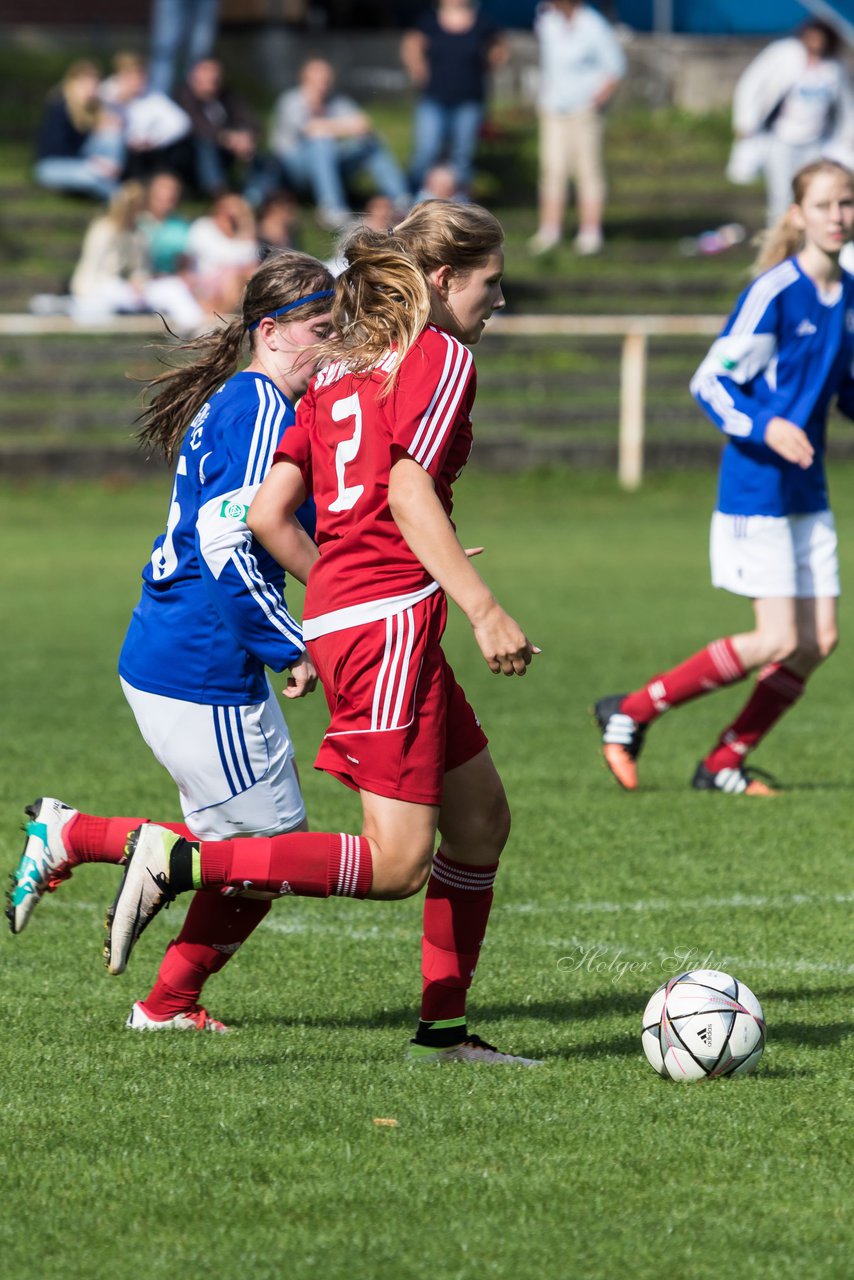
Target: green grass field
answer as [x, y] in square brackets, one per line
[259, 1153]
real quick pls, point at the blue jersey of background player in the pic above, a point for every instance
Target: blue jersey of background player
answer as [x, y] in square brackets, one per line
[785, 352]
[768, 383]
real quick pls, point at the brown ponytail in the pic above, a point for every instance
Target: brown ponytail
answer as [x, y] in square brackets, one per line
[178, 394]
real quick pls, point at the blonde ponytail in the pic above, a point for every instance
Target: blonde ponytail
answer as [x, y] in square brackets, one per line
[382, 298]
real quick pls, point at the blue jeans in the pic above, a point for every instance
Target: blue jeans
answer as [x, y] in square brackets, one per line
[450, 133]
[190, 25]
[323, 165]
[78, 174]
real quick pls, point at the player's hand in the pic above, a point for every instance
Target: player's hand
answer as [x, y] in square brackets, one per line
[474, 551]
[302, 680]
[503, 643]
[790, 441]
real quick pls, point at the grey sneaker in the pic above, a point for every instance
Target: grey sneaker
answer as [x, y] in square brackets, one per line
[472, 1049]
[43, 862]
[143, 892]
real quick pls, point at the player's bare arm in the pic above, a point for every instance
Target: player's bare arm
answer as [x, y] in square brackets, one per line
[430, 535]
[271, 520]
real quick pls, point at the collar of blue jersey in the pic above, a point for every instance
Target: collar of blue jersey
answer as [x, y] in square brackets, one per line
[300, 302]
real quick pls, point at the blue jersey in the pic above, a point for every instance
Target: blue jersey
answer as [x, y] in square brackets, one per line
[785, 351]
[212, 614]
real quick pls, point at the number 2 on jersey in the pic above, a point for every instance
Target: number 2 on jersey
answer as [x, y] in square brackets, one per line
[345, 452]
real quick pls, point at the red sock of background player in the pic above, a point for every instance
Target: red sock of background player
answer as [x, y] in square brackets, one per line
[712, 668]
[313, 864]
[213, 931]
[88, 838]
[456, 911]
[777, 688]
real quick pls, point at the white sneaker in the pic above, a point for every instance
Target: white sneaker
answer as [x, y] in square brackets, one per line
[472, 1049]
[195, 1019]
[587, 243]
[543, 242]
[43, 862]
[143, 892]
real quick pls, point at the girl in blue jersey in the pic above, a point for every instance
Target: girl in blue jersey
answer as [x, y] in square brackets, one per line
[211, 617]
[767, 383]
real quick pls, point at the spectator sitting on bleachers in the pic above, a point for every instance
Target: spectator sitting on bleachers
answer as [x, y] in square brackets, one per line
[113, 275]
[156, 131]
[79, 145]
[224, 252]
[278, 223]
[224, 132]
[441, 183]
[321, 139]
[165, 229]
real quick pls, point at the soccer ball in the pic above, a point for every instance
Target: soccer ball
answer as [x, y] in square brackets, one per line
[701, 1025]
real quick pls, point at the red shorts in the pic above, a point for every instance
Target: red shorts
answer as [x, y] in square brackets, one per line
[400, 721]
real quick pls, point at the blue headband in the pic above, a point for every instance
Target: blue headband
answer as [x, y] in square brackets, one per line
[311, 297]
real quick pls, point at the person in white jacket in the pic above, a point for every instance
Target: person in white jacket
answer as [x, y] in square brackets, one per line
[792, 104]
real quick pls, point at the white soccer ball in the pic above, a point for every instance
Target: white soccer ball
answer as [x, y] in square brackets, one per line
[701, 1025]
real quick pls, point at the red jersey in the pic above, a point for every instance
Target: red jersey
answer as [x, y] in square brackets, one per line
[345, 441]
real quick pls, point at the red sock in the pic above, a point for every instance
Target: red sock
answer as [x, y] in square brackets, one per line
[712, 668]
[214, 929]
[88, 838]
[777, 688]
[456, 910]
[313, 864]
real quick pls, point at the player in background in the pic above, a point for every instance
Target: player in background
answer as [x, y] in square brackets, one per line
[380, 437]
[767, 383]
[210, 618]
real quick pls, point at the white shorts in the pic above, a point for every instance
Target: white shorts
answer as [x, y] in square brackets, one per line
[765, 557]
[233, 766]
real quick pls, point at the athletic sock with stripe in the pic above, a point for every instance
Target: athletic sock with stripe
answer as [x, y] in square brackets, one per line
[777, 688]
[456, 911]
[312, 864]
[712, 668]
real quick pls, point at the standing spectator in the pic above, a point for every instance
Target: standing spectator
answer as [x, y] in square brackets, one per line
[180, 26]
[166, 231]
[114, 275]
[224, 252]
[155, 129]
[224, 131]
[322, 138]
[581, 65]
[448, 55]
[791, 105]
[79, 146]
[784, 356]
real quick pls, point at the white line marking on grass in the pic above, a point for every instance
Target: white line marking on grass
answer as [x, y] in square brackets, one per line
[641, 905]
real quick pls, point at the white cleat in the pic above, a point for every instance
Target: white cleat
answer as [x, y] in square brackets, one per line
[196, 1019]
[43, 862]
[472, 1049]
[143, 892]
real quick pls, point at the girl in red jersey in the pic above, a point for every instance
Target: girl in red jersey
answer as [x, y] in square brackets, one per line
[380, 437]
